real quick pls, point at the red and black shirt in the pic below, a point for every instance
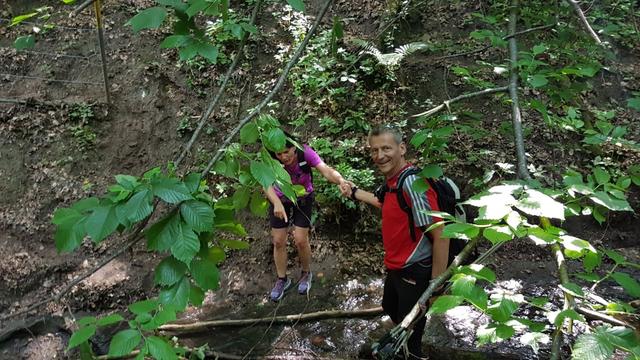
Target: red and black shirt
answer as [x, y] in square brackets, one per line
[400, 249]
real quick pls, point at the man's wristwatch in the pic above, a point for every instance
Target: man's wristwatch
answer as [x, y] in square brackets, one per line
[353, 192]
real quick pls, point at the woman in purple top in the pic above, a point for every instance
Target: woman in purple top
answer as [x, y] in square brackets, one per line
[282, 210]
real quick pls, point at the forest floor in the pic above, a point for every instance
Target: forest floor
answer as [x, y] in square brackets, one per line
[57, 152]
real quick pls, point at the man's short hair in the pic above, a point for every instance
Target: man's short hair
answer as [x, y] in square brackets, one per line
[387, 129]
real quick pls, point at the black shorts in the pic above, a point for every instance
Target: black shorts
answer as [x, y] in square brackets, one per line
[299, 214]
[402, 289]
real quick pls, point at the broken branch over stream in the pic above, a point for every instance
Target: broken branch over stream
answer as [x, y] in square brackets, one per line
[284, 319]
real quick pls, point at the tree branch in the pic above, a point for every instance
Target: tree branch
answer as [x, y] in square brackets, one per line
[513, 92]
[522, 32]
[214, 102]
[274, 91]
[584, 21]
[461, 97]
[327, 314]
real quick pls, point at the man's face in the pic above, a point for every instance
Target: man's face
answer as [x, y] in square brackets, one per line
[287, 157]
[387, 154]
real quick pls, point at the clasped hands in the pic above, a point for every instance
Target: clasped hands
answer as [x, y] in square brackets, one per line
[345, 188]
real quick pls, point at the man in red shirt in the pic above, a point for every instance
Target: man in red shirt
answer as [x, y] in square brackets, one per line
[410, 263]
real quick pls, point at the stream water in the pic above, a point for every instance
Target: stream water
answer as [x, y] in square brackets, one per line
[331, 338]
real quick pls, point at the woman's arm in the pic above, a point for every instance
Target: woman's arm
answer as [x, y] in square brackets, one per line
[278, 208]
[330, 173]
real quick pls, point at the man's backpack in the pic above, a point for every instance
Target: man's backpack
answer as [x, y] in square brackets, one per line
[448, 196]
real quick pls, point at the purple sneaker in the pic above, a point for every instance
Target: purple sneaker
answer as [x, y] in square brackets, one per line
[280, 288]
[304, 284]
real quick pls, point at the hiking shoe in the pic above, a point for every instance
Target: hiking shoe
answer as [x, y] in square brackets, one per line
[304, 284]
[280, 288]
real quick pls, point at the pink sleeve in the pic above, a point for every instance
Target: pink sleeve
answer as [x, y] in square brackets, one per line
[312, 157]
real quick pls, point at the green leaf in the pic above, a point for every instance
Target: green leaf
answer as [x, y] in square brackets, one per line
[169, 271]
[198, 215]
[150, 18]
[86, 204]
[487, 334]
[235, 244]
[479, 271]
[538, 204]
[478, 297]
[102, 222]
[161, 235]
[189, 51]
[591, 261]
[573, 289]
[186, 244]
[592, 277]
[205, 273]
[444, 303]
[82, 335]
[160, 349]
[634, 103]
[592, 347]
[502, 310]
[602, 176]
[124, 342]
[539, 301]
[630, 285]
[196, 295]
[138, 207]
[69, 234]
[296, 5]
[24, 42]
[249, 133]
[207, 51]
[143, 306]
[460, 231]
[111, 319]
[602, 198]
[197, 6]
[192, 182]
[462, 285]
[263, 173]
[420, 185]
[498, 234]
[170, 190]
[275, 140]
[87, 320]
[505, 331]
[533, 339]
[558, 317]
[20, 18]
[537, 80]
[216, 254]
[241, 197]
[127, 181]
[177, 295]
[431, 171]
[66, 215]
[175, 41]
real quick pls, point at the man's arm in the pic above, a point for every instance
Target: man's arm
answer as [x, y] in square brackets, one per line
[440, 255]
[349, 190]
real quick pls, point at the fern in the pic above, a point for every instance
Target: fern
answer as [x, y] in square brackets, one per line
[393, 59]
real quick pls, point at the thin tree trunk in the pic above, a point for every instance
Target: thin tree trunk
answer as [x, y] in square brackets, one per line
[513, 92]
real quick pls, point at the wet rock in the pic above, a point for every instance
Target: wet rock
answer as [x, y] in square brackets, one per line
[452, 336]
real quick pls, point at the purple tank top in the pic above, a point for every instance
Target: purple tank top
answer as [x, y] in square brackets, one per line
[298, 176]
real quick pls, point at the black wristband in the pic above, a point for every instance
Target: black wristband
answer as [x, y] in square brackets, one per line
[353, 192]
